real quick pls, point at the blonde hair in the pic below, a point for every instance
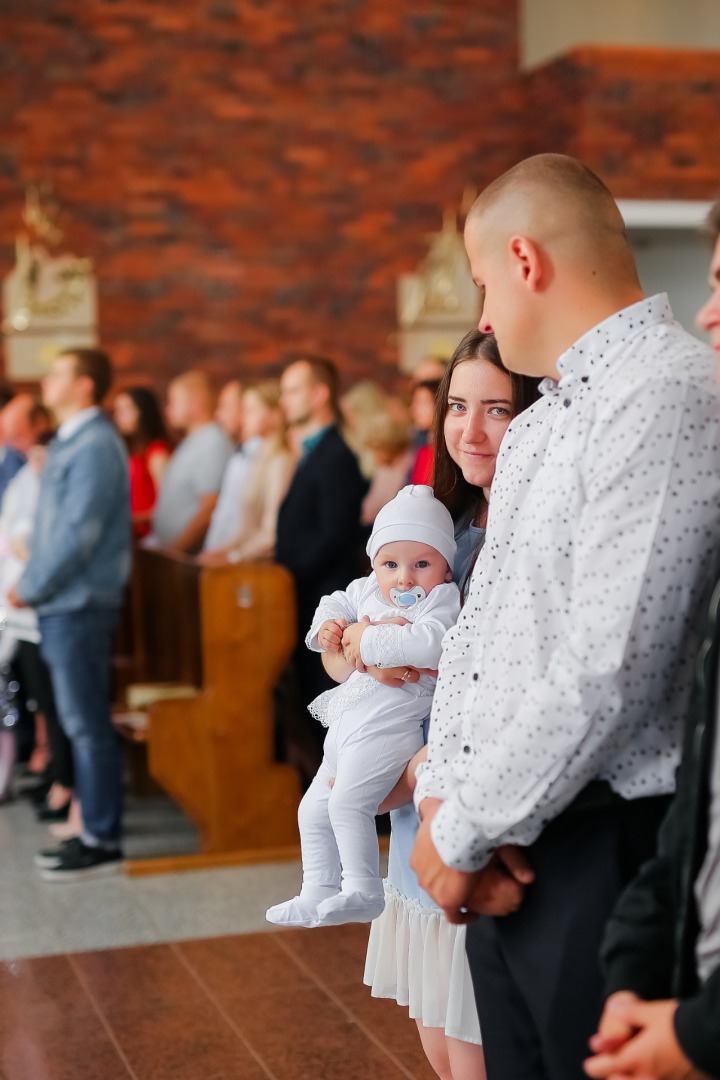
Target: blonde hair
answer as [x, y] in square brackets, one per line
[268, 394]
[388, 433]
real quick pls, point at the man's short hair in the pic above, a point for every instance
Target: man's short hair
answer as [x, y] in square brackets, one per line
[713, 221]
[325, 372]
[96, 365]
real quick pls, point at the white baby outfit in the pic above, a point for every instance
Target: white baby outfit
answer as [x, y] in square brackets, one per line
[373, 731]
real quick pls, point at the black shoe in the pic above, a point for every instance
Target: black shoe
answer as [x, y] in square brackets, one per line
[54, 856]
[80, 862]
[36, 793]
[53, 813]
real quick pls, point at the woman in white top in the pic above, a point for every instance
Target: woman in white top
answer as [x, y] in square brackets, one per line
[266, 484]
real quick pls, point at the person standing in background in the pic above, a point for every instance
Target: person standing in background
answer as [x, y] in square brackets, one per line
[75, 578]
[138, 418]
[191, 486]
[318, 531]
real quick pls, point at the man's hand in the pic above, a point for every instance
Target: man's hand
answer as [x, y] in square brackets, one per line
[13, 599]
[351, 638]
[497, 889]
[330, 635]
[649, 1052]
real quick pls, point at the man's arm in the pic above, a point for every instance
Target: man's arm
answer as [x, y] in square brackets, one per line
[96, 478]
[644, 547]
[191, 538]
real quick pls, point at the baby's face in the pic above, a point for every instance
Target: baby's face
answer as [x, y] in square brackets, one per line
[403, 564]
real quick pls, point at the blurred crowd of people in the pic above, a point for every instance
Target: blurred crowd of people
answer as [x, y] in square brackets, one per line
[287, 469]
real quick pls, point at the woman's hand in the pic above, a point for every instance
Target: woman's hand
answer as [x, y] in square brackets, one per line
[394, 676]
[213, 558]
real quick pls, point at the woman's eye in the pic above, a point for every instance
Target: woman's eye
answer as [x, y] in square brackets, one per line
[456, 407]
[498, 410]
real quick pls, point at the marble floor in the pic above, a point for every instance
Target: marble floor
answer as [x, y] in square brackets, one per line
[178, 976]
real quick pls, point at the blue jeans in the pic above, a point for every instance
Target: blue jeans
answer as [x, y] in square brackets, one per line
[76, 646]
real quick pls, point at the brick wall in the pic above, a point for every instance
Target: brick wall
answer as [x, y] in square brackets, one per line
[251, 177]
[647, 120]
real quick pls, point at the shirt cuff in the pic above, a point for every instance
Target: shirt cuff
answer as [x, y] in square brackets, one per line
[380, 646]
[456, 840]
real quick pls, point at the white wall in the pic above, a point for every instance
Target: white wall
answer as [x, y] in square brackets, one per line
[551, 27]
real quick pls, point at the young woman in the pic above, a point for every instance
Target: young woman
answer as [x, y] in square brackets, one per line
[414, 955]
[139, 420]
[270, 474]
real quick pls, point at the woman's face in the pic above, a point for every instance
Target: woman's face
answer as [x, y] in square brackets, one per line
[258, 418]
[478, 412]
[126, 414]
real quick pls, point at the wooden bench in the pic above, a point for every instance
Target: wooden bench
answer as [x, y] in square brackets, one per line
[228, 632]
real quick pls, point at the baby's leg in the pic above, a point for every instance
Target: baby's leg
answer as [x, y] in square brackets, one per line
[320, 856]
[369, 765]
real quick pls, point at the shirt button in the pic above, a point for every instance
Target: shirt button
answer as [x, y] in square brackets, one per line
[475, 676]
[466, 749]
[567, 403]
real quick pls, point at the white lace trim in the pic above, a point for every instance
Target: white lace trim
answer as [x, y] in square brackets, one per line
[388, 647]
[329, 707]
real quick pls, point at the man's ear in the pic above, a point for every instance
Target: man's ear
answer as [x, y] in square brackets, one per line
[527, 258]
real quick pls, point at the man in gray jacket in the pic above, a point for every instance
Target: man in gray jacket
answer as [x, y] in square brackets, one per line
[78, 567]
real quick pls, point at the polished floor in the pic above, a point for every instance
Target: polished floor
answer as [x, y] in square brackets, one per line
[288, 1005]
[178, 976]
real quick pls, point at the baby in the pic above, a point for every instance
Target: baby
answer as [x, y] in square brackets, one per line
[374, 729]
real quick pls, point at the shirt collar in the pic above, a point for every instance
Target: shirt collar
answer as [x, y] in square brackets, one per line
[312, 440]
[69, 427]
[596, 351]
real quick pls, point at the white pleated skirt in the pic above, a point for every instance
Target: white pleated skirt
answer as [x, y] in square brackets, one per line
[417, 957]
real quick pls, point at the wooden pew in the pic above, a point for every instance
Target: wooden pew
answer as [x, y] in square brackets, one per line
[229, 632]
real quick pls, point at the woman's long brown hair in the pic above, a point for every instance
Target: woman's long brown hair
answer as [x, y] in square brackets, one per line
[449, 484]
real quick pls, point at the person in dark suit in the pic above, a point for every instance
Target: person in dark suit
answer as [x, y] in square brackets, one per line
[662, 945]
[318, 531]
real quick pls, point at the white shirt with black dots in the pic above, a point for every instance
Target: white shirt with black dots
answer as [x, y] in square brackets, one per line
[572, 659]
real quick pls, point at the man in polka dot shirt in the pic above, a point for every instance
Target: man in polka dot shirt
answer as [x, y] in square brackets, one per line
[562, 692]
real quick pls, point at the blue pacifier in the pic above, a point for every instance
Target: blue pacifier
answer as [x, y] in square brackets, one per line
[407, 599]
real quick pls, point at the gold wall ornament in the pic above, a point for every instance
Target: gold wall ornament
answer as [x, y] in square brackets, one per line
[49, 300]
[438, 304]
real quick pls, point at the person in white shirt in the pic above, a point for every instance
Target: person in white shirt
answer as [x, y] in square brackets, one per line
[563, 688]
[395, 617]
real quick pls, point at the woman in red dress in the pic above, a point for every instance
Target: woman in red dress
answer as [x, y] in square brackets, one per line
[140, 422]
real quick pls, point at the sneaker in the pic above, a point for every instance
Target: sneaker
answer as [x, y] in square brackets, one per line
[79, 862]
[53, 856]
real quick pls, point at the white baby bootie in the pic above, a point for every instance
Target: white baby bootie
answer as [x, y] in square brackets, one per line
[302, 909]
[349, 907]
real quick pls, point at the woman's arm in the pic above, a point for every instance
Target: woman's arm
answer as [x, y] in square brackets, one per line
[402, 793]
[157, 464]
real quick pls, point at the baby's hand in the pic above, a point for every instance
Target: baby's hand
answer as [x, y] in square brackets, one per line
[351, 642]
[330, 635]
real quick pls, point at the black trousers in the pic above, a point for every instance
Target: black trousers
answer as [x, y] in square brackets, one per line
[536, 974]
[35, 678]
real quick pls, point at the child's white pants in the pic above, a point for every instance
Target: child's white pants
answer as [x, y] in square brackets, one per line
[337, 825]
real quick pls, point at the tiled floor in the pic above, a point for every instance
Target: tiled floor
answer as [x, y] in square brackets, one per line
[196, 993]
[287, 1005]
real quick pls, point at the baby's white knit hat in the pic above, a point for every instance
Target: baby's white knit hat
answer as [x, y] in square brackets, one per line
[414, 514]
